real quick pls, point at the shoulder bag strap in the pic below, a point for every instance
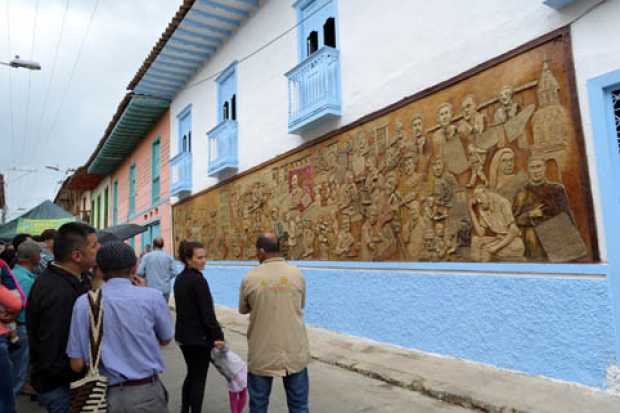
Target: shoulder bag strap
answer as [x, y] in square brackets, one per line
[95, 316]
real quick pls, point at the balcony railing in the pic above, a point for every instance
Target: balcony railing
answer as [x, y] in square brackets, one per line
[314, 89]
[181, 174]
[223, 148]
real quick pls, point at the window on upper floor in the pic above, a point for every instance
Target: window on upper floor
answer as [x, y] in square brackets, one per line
[98, 216]
[132, 190]
[317, 25]
[329, 32]
[105, 206]
[155, 171]
[227, 94]
[115, 202]
[185, 129]
[92, 212]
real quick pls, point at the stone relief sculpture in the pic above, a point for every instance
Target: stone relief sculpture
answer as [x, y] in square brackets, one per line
[495, 234]
[490, 183]
[504, 179]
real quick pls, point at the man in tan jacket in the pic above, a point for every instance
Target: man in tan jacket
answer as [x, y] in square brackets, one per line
[274, 294]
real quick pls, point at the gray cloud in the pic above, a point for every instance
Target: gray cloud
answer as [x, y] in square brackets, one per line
[121, 35]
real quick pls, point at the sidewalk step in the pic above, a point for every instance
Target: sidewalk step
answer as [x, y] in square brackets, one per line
[463, 383]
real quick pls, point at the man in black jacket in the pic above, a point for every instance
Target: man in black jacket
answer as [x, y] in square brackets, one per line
[48, 315]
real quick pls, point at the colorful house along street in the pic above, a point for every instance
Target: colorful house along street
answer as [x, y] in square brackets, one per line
[443, 189]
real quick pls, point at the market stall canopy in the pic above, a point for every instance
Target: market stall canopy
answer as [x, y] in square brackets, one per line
[44, 216]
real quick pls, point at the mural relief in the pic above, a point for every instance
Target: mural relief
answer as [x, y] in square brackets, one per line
[488, 169]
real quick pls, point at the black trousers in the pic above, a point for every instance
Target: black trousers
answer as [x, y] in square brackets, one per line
[197, 359]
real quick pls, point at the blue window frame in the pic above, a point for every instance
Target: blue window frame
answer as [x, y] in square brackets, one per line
[132, 190]
[98, 217]
[92, 212]
[185, 129]
[155, 171]
[227, 94]
[106, 200]
[317, 26]
[604, 100]
[115, 202]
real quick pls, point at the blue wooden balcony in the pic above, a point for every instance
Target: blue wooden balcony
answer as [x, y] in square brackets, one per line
[223, 147]
[314, 90]
[181, 174]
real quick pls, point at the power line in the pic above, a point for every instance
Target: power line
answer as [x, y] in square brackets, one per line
[49, 84]
[28, 131]
[8, 36]
[75, 63]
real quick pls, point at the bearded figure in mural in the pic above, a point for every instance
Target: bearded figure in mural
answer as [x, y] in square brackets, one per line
[537, 202]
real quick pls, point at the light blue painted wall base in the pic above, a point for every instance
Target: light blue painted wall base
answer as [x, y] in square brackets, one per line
[559, 327]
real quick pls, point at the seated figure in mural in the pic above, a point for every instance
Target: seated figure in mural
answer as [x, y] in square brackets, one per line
[495, 233]
[503, 178]
[538, 201]
[508, 108]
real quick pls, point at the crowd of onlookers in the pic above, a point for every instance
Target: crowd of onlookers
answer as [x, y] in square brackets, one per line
[73, 309]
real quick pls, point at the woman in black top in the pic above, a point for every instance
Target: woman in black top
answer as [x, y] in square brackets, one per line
[197, 329]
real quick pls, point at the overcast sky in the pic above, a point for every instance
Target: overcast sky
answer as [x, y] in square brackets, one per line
[56, 121]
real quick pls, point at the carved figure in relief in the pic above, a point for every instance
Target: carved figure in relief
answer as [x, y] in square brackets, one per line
[495, 234]
[360, 153]
[476, 157]
[550, 123]
[345, 243]
[410, 180]
[443, 187]
[472, 124]
[392, 156]
[292, 229]
[446, 131]
[308, 239]
[446, 142]
[507, 109]
[413, 231]
[419, 140]
[431, 250]
[278, 226]
[324, 237]
[301, 194]
[538, 201]
[503, 178]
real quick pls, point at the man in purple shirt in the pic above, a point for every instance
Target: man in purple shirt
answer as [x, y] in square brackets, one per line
[136, 322]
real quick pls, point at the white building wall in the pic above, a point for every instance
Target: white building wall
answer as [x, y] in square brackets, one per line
[389, 49]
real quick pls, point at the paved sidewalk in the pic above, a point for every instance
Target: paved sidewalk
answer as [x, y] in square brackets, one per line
[332, 390]
[456, 381]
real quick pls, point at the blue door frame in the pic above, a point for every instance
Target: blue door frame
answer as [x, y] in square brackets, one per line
[608, 170]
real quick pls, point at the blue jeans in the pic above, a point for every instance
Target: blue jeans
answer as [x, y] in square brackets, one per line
[7, 397]
[55, 401]
[19, 358]
[296, 386]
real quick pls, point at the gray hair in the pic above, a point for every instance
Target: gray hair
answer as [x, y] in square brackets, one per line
[28, 250]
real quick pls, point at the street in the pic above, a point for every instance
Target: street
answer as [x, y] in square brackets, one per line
[332, 389]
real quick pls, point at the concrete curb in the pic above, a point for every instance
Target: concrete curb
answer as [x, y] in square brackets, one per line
[459, 382]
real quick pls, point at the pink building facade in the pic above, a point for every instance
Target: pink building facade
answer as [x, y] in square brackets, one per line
[139, 188]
